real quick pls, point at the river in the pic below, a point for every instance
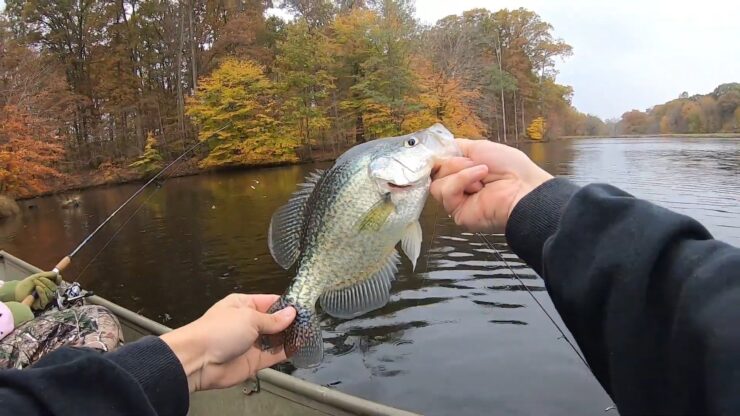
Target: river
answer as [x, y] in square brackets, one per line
[459, 336]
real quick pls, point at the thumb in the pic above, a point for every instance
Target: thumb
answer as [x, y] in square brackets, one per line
[273, 323]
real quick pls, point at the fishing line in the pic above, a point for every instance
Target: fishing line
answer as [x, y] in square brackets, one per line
[67, 260]
[562, 333]
[115, 234]
[434, 235]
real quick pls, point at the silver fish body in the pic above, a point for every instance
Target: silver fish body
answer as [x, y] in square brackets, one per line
[341, 227]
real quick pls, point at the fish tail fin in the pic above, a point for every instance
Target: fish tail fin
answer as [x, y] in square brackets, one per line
[302, 340]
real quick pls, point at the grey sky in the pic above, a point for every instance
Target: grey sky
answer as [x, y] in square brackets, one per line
[629, 54]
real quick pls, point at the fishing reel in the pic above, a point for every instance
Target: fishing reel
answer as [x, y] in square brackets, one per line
[70, 295]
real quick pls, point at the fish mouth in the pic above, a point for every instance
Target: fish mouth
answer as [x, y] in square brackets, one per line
[394, 187]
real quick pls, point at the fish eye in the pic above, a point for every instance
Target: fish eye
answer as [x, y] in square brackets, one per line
[411, 142]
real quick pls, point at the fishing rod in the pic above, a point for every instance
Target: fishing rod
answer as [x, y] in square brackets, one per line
[67, 260]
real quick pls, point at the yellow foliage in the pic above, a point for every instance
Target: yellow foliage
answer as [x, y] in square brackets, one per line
[536, 130]
[235, 107]
[150, 161]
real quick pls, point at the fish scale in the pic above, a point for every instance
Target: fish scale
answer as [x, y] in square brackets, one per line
[341, 227]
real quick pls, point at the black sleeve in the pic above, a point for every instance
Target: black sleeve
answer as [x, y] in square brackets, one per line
[141, 378]
[651, 298]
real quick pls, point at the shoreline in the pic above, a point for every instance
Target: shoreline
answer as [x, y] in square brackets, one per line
[669, 136]
[189, 167]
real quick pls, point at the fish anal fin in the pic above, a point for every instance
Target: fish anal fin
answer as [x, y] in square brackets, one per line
[411, 242]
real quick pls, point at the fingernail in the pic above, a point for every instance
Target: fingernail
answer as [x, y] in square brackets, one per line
[285, 312]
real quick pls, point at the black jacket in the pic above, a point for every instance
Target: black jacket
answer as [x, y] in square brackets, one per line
[652, 300]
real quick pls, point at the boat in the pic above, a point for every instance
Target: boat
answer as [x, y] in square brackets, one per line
[270, 393]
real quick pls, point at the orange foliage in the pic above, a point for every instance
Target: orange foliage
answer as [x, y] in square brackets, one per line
[27, 153]
[444, 100]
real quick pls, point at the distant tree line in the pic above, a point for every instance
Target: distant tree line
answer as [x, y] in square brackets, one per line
[716, 112]
[104, 85]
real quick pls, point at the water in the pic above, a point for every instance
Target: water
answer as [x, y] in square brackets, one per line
[459, 336]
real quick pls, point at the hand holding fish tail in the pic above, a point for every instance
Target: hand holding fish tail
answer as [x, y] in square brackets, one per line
[217, 350]
[481, 189]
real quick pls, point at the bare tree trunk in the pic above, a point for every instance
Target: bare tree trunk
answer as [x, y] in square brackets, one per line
[501, 72]
[180, 98]
[542, 93]
[524, 126]
[335, 124]
[193, 63]
[516, 125]
[359, 129]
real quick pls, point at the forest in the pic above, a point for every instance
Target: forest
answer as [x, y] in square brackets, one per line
[716, 112]
[99, 91]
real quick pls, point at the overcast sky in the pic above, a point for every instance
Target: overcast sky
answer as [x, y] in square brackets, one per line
[630, 54]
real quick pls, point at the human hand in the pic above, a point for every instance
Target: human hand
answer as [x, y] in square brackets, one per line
[43, 284]
[217, 350]
[481, 189]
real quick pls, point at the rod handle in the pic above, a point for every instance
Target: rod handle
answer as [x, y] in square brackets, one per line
[63, 263]
[28, 301]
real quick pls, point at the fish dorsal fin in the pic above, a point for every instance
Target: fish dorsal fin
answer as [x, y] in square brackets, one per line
[411, 242]
[365, 296]
[286, 226]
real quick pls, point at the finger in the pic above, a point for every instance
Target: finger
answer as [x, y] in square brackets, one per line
[450, 191]
[263, 302]
[466, 146]
[452, 165]
[474, 187]
[47, 283]
[272, 357]
[259, 302]
[273, 323]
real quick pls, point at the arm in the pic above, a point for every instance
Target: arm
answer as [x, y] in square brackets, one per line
[652, 300]
[152, 376]
[142, 378]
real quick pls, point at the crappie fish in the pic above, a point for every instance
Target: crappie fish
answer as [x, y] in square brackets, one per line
[341, 227]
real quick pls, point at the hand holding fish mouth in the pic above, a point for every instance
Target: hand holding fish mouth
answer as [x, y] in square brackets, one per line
[481, 189]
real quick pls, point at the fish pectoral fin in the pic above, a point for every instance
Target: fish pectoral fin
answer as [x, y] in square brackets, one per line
[411, 242]
[377, 215]
[365, 296]
[286, 225]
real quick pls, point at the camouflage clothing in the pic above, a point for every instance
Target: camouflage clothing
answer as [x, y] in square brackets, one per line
[89, 326]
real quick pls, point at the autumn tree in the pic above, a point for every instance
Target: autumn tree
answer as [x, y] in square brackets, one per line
[536, 130]
[33, 113]
[306, 84]
[150, 160]
[27, 161]
[236, 112]
[708, 113]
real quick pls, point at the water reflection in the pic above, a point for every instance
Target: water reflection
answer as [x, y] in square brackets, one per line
[460, 335]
